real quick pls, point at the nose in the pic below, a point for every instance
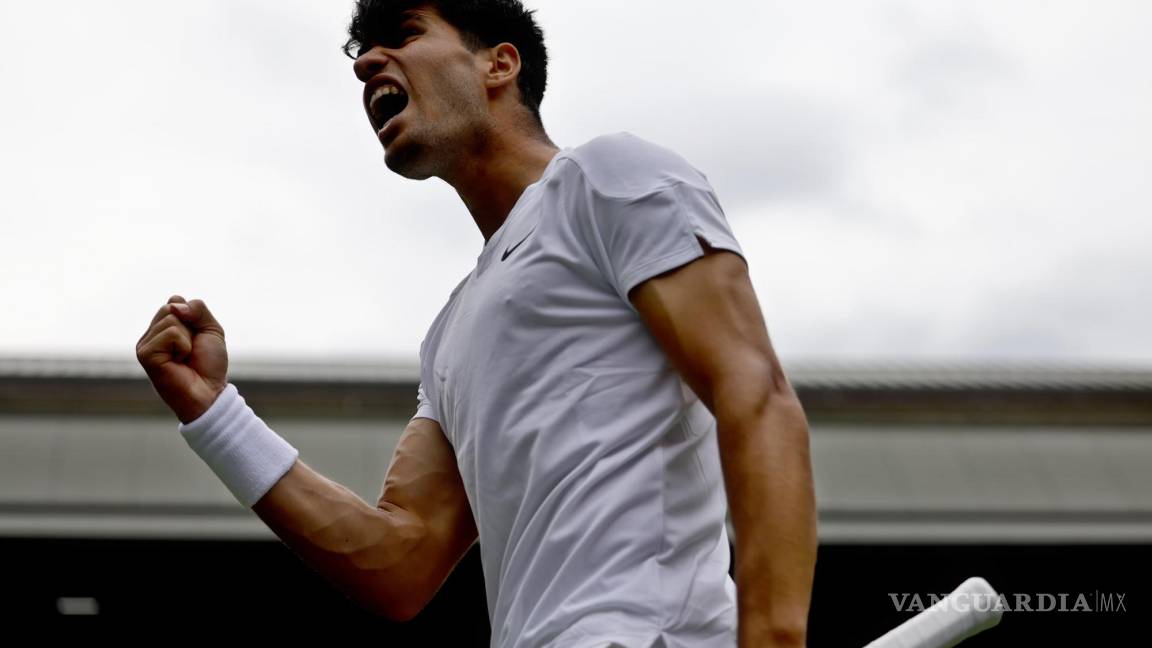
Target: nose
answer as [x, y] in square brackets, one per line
[370, 63]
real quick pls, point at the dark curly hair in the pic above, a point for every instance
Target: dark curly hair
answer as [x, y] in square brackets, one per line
[481, 23]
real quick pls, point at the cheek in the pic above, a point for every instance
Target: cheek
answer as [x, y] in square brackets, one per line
[461, 96]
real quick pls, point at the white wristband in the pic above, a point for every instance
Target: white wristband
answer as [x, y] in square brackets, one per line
[236, 444]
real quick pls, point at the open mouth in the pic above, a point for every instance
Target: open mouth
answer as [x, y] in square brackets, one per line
[387, 101]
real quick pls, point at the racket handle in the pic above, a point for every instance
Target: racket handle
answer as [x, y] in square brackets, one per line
[970, 609]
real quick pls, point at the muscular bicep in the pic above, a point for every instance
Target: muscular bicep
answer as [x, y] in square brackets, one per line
[706, 318]
[423, 480]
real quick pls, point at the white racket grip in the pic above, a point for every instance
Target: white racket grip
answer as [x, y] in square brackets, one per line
[247, 455]
[969, 610]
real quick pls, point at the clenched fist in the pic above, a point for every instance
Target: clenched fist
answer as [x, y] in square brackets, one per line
[184, 356]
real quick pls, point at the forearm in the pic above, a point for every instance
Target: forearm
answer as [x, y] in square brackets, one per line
[359, 548]
[365, 551]
[768, 478]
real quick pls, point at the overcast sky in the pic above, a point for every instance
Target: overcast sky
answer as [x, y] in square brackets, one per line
[909, 179]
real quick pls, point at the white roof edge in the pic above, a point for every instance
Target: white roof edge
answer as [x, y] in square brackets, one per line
[329, 369]
[883, 373]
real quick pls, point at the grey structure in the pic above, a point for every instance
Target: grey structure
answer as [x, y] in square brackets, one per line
[903, 453]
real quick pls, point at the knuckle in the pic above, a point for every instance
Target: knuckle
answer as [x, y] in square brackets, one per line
[159, 338]
[176, 330]
[171, 322]
[147, 356]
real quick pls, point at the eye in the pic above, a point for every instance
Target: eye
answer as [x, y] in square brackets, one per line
[397, 38]
[406, 34]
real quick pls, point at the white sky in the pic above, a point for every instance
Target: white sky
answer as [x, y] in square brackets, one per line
[909, 179]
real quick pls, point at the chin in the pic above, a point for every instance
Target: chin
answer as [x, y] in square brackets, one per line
[407, 162]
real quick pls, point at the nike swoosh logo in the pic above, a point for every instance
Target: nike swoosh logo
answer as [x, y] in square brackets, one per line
[508, 252]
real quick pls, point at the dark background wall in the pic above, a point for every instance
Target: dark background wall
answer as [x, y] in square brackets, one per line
[204, 585]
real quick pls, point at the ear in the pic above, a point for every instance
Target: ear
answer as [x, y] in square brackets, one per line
[503, 66]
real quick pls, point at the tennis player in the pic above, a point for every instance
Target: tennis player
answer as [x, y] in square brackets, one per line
[595, 395]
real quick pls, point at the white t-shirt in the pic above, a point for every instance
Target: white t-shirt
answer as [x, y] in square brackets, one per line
[591, 468]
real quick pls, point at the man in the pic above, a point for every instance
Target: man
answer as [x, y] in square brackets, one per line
[583, 392]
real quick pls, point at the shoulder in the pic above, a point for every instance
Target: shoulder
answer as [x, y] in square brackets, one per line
[432, 337]
[622, 165]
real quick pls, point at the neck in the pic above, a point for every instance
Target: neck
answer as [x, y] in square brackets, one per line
[496, 174]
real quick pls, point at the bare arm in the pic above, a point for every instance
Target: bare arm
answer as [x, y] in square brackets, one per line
[391, 558]
[706, 318]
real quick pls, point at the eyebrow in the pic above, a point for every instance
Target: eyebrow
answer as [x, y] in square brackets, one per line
[404, 17]
[411, 15]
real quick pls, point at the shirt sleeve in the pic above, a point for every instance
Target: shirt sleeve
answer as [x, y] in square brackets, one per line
[424, 408]
[637, 238]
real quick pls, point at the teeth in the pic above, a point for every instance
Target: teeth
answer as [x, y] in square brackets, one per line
[380, 92]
